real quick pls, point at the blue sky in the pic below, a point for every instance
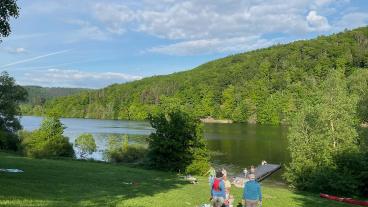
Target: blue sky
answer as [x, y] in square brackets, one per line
[94, 43]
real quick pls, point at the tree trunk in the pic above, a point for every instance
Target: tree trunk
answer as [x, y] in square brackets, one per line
[333, 134]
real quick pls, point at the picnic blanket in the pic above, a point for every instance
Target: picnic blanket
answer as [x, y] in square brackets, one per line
[11, 170]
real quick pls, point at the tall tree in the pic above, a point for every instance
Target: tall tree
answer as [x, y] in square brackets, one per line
[8, 9]
[321, 132]
[10, 96]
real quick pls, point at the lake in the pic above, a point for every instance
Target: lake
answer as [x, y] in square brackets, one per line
[233, 146]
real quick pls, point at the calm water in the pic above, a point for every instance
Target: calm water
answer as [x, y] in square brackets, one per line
[233, 145]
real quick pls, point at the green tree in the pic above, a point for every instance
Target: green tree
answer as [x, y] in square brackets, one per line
[319, 133]
[177, 143]
[269, 111]
[86, 144]
[10, 97]
[228, 102]
[8, 8]
[48, 140]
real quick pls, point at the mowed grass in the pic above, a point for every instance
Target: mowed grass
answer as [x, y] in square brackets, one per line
[80, 183]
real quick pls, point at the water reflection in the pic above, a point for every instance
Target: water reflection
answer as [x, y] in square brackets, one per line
[235, 145]
[241, 145]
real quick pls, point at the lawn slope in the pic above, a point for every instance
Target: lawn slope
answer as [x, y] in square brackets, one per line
[79, 183]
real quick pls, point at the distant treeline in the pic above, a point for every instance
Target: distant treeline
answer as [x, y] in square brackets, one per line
[265, 86]
[37, 97]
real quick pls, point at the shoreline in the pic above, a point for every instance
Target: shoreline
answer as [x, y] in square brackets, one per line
[210, 120]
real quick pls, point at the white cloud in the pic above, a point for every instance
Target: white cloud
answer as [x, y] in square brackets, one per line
[323, 2]
[17, 50]
[328, 2]
[74, 78]
[317, 22]
[207, 23]
[208, 46]
[193, 19]
[353, 20]
[231, 18]
[20, 50]
[115, 16]
[86, 31]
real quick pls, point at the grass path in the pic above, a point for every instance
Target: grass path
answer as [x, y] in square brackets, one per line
[78, 183]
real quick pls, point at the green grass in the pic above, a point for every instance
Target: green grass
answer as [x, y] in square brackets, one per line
[79, 183]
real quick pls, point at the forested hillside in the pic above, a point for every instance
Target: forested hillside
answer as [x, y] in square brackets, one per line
[264, 86]
[37, 96]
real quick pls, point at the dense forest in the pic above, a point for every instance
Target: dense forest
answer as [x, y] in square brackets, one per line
[37, 97]
[265, 86]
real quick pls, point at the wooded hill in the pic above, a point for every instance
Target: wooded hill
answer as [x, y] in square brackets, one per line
[37, 96]
[265, 86]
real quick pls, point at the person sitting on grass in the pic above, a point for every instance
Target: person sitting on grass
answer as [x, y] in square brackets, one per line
[218, 194]
[252, 192]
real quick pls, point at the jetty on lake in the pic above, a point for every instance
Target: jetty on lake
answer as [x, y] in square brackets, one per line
[263, 171]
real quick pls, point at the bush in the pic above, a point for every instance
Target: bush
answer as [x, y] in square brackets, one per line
[348, 175]
[86, 144]
[48, 141]
[200, 164]
[177, 143]
[364, 176]
[132, 154]
[120, 151]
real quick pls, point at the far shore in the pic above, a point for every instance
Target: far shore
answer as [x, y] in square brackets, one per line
[210, 120]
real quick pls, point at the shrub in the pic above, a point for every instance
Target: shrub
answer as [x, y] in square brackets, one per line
[345, 177]
[134, 153]
[86, 145]
[48, 141]
[120, 151]
[348, 175]
[199, 165]
[177, 143]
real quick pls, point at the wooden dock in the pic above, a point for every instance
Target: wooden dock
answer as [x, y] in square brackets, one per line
[263, 171]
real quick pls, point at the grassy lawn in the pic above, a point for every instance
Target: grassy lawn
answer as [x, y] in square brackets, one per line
[79, 183]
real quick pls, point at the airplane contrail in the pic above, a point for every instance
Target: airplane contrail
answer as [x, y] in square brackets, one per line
[34, 58]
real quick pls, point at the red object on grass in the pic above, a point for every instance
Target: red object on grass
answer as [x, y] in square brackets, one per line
[345, 200]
